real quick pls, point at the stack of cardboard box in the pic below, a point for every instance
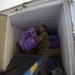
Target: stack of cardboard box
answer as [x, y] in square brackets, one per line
[55, 51]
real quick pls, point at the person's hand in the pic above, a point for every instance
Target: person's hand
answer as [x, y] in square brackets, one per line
[34, 32]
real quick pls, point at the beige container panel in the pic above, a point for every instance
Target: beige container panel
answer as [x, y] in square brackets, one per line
[3, 20]
[6, 42]
[9, 43]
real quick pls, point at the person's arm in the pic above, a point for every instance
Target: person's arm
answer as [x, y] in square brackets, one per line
[38, 39]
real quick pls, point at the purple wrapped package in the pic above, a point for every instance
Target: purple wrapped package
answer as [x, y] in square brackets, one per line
[54, 41]
[53, 62]
[28, 42]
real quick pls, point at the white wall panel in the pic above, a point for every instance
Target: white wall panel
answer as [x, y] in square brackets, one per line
[17, 35]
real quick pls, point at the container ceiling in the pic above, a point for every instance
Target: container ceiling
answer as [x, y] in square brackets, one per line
[48, 16]
[7, 4]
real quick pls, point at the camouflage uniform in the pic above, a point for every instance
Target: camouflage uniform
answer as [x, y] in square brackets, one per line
[45, 55]
[44, 44]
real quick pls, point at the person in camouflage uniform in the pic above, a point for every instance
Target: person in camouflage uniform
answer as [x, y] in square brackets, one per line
[43, 40]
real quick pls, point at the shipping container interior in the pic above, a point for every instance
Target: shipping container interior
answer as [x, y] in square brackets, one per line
[47, 15]
[50, 15]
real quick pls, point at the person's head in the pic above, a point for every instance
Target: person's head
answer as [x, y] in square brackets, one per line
[42, 28]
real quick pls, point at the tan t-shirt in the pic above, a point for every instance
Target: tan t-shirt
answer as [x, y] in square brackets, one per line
[44, 43]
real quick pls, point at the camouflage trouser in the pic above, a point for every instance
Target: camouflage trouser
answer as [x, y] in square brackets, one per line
[45, 55]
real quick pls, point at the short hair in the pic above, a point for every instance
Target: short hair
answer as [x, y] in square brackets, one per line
[44, 26]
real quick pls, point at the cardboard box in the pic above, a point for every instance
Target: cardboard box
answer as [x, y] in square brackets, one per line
[55, 52]
[6, 42]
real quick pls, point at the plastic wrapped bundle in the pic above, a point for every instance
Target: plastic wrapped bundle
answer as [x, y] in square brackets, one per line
[54, 41]
[28, 42]
[52, 63]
